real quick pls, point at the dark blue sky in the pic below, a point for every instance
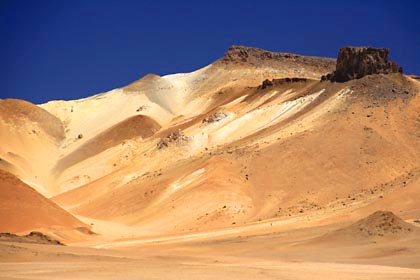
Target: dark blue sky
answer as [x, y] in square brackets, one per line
[73, 49]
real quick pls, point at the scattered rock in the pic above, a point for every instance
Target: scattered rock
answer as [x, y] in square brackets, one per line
[142, 108]
[357, 62]
[218, 116]
[33, 237]
[267, 83]
[80, 136]
[174, 137]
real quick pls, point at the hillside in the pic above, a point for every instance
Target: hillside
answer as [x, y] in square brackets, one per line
[255, 138]
[23, 209]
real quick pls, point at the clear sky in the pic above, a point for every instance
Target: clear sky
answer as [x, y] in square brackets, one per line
[68, 49]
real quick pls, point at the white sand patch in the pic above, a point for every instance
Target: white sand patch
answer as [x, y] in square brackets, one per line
[90, 116]
[198, 141]
[187, 180]
[128, 178]
[261, 118]
[235, 101]
[181, 184]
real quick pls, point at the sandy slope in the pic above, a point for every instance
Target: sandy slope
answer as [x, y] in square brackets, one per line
[23, 209]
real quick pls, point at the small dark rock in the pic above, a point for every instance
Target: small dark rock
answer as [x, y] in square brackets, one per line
[267, 83]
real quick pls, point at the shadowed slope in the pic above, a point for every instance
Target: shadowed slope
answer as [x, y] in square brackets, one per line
[23, 209]
[17, 112]
[137, 126]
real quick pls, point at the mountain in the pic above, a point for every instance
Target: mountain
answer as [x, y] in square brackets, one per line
[252, 138]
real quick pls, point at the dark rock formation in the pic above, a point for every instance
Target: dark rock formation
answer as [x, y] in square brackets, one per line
[357, 62]
[245, 54]
[241, 55]
[267, 83]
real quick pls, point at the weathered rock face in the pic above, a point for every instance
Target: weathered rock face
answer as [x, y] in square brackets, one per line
[248, 54]
[357, 62]
[255, 57]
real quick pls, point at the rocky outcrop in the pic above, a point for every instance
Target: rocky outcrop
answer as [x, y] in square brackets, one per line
[357, 62]
[241, 55]
[245, 54]
[269, 83]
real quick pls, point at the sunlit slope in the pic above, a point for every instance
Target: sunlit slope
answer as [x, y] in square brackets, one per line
[168, 101]
[30, 138]
[224, 147]
[290, 150]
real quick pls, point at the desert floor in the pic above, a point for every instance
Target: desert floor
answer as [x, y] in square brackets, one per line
[294, 254]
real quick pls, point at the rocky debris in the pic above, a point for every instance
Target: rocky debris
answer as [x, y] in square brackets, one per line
[380, 88]
[33, 237]
[80, 136]
[218, 116]
[357, 62]
[383, 223]
[379, 224]
[269, 83]
[174, 137]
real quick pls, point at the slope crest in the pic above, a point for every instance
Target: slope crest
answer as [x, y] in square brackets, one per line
[136, 126]
[17, 111]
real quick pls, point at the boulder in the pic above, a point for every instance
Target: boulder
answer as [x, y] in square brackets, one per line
[357, 62]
